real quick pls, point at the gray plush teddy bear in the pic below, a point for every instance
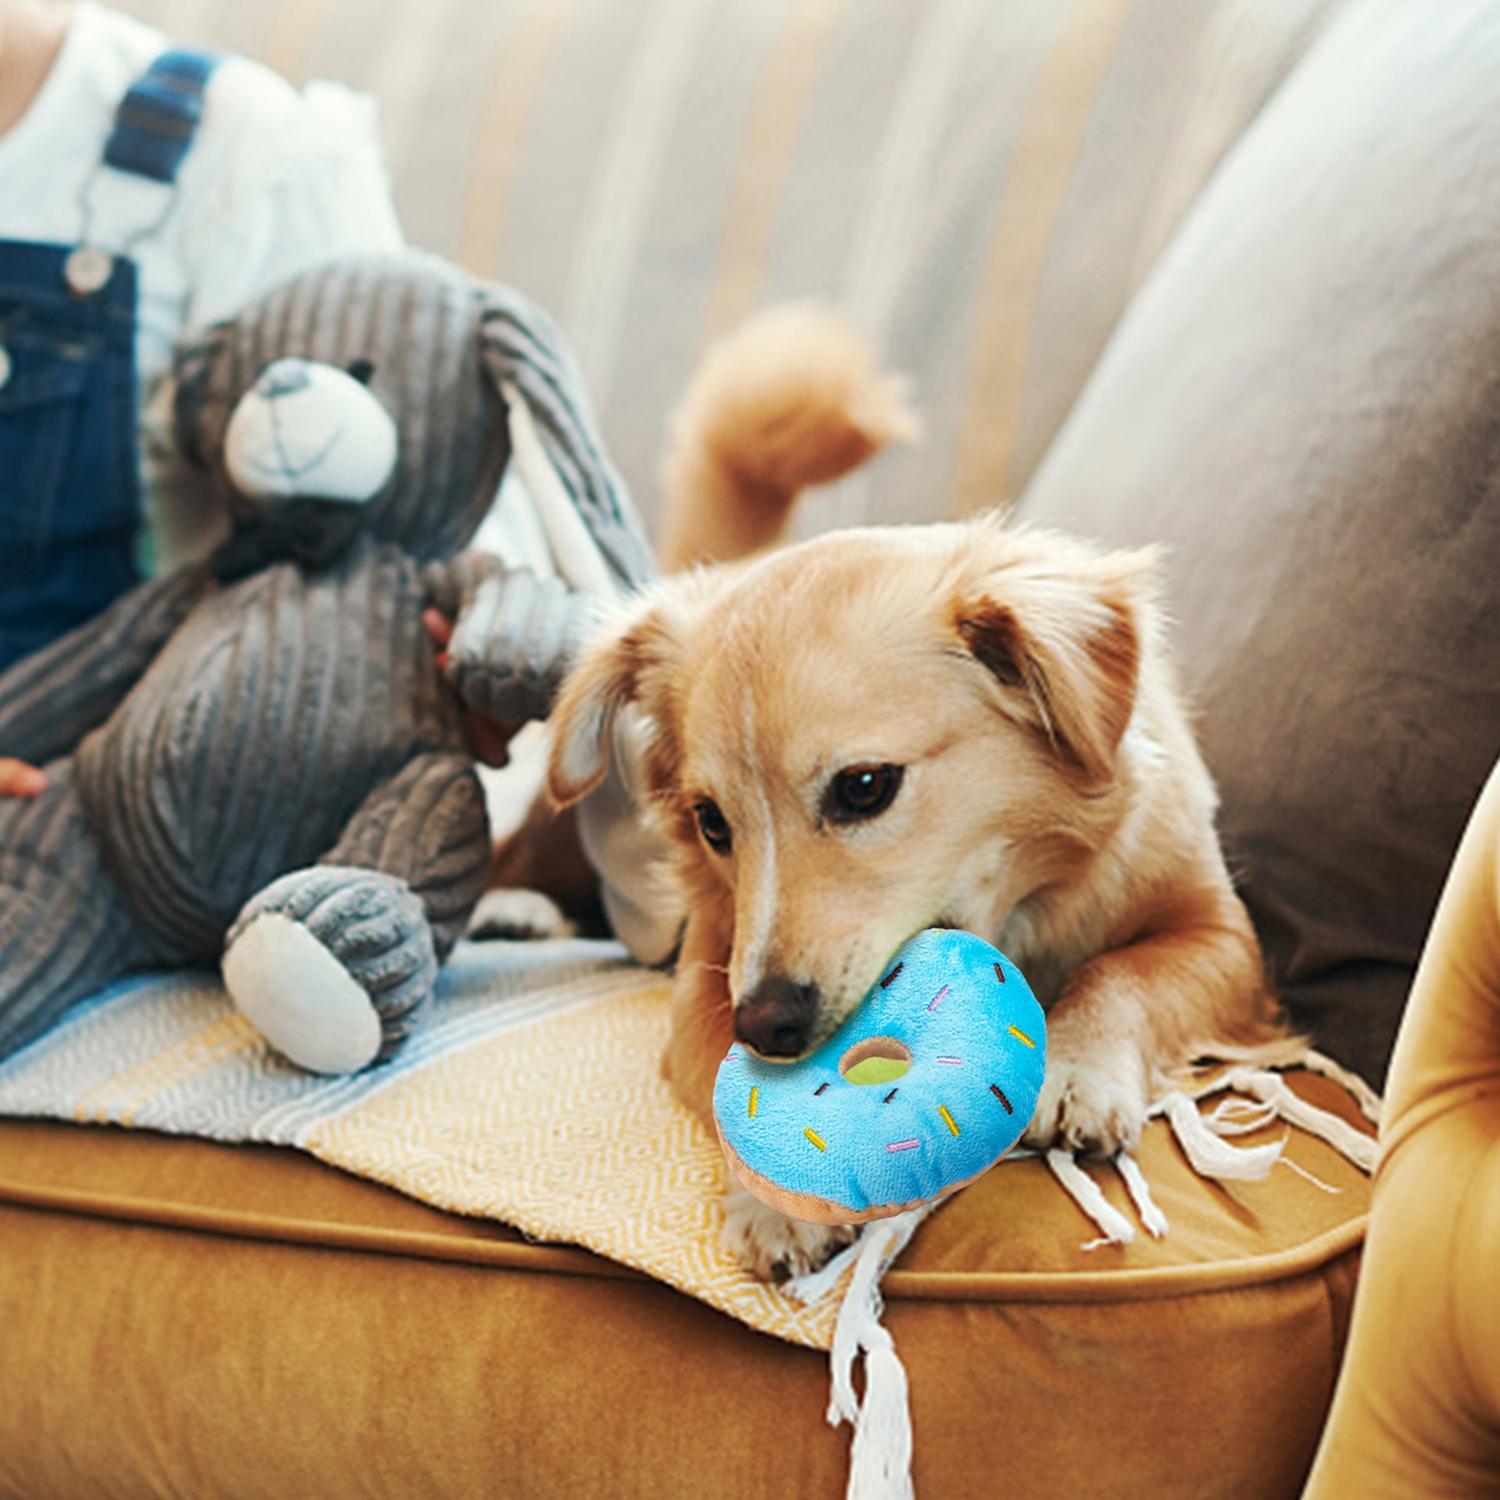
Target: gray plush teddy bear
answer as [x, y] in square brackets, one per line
[260, 760]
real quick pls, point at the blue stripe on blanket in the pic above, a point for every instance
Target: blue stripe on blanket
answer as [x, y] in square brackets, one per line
[169, 1052]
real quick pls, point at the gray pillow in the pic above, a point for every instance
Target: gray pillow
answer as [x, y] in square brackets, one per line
[1304, 404]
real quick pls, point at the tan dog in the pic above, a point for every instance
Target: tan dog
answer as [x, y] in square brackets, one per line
[884, 730]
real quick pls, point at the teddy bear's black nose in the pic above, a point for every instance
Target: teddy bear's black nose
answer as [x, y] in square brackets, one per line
[284, 378]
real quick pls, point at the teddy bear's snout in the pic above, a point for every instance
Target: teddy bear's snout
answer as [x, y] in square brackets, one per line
[283, 378]
[309, 431]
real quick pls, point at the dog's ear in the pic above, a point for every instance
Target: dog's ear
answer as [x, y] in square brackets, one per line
[620, 667]
[1061, 629]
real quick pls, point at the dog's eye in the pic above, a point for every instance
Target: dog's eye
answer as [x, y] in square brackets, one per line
[713, 825]
[861, 792]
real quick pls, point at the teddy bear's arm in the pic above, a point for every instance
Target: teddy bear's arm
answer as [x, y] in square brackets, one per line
[514, 634]
[51, 699]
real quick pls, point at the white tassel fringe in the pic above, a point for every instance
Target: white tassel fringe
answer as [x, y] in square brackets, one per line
[1085, 1192]
[1140, 1195]
[880, 1454]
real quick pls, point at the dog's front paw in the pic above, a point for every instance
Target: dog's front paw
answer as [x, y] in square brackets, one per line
[774, 1247]
[1092, 1103]
[518, 914]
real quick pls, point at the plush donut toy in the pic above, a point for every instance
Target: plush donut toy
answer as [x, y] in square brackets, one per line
[928, 1084]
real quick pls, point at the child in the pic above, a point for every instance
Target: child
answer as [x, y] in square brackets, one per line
[143, 190]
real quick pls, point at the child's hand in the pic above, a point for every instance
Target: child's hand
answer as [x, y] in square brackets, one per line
[490, 738]
[17, 779]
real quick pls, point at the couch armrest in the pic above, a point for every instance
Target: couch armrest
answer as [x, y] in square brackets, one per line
[1417, 1409]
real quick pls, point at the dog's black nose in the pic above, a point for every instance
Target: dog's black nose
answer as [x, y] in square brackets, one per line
[776, 1017]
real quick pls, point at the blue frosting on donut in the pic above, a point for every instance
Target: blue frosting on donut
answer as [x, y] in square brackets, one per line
[977, 1043]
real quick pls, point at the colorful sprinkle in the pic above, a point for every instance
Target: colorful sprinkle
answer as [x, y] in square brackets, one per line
[903, 1145]
[995, 1090]
[937, 999]
[890, 978]
[1020, 1035]
[889, 1097]
[956, 1061]
[947, 1118]
[733, 1056]
[999, 973]
[819, 1089]
[815, 1138]
[754, 1101]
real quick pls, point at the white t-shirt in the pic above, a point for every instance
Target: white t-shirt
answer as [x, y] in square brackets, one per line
[276, 180]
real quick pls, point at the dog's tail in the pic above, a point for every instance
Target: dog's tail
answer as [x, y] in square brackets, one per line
[794, 398]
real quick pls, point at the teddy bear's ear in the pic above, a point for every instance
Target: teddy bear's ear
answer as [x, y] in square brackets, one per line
[524, 355]
[194, 368]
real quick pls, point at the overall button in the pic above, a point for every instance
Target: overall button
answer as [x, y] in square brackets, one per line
[4, 367]
[88, 269]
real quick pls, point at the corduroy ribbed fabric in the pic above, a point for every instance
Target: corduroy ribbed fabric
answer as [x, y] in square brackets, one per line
[257, 733]
[421, 323]
[65, 928]
[52, 698]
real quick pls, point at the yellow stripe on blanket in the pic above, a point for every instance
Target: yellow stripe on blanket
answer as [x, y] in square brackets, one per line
[121, 1096]
[566, 1130]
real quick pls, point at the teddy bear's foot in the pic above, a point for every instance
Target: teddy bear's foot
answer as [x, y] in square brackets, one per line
[332, 965]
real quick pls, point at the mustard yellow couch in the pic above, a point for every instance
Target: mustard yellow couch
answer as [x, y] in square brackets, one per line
[182, 1318]
[1274, 219]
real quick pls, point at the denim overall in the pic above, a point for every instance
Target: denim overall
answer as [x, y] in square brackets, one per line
[70, 503]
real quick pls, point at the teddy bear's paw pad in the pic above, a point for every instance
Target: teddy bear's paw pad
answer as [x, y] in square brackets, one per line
[305, 1003]
[333, 966]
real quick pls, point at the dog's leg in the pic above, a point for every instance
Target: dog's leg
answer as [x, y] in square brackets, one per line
[765, 1242]
[518, 913]
[772, 1246]
[542, 858]
[1132, 1015]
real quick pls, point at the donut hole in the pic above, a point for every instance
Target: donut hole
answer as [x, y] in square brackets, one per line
[877, 1059]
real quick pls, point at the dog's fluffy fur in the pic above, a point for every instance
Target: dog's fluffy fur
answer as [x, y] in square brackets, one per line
[1053, 800]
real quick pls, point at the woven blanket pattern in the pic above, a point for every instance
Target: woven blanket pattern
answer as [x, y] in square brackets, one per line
[533, 1095]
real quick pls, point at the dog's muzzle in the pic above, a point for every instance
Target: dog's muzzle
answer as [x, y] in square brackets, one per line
[776, 1018]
